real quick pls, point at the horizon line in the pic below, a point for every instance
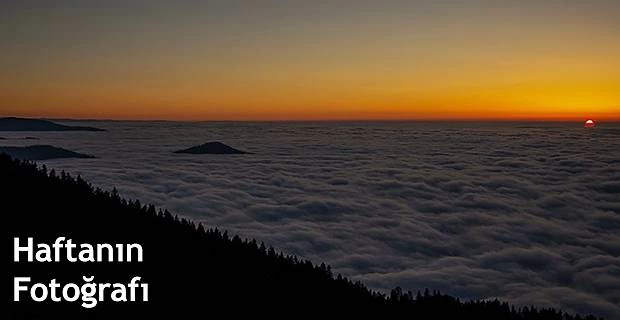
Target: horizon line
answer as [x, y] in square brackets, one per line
[499, 120]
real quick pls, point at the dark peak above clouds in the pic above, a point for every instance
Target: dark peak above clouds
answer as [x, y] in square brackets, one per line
[473, 210]
[211, 148]
[42, 152]
[26, 124]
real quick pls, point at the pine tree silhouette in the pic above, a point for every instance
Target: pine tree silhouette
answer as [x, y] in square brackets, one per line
[192, 271]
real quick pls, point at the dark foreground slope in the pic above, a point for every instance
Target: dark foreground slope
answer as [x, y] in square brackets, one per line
[192, 272]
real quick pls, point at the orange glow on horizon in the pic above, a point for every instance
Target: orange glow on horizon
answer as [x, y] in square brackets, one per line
[339, 116]
[387, 62]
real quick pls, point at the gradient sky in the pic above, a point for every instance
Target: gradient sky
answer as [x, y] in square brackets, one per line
[261, 60]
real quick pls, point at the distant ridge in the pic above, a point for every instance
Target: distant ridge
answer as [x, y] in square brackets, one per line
[26, 124]
[211, 148]
[42, 152]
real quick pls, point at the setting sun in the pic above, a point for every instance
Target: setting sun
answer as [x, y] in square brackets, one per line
[343, 156]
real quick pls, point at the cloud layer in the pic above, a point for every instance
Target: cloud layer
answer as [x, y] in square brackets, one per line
[529, 213]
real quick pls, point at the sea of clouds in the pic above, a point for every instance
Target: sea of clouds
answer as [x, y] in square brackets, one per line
[526, 212]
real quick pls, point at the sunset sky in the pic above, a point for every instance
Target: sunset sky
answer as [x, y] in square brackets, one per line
[281, 60]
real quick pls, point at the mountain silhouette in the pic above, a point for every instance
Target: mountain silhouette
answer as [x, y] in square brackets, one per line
[41, 152]
[26, 124]
[211, 148]
[193, 272]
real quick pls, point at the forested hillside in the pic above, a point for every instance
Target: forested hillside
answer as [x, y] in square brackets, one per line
[193, 270]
